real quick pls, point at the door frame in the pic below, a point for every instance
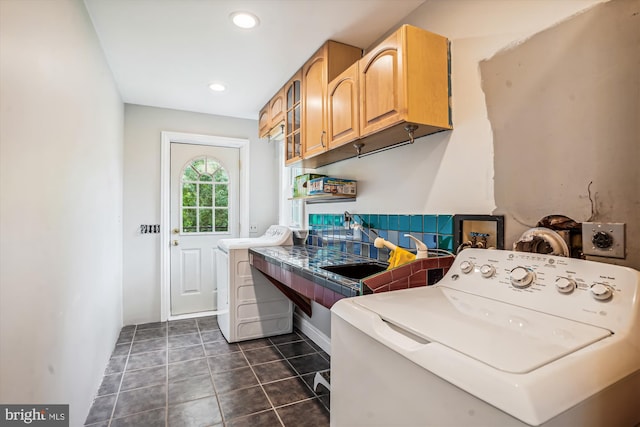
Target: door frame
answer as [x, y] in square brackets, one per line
[167, 138]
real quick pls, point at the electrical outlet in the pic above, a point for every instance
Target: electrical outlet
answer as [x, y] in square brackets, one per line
[253, 228]
[604, 239]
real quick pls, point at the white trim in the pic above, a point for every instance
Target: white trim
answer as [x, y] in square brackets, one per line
[316, 335]
[194, 315]
[165, 207]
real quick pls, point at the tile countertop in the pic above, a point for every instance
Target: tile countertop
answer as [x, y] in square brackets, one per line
[306, 262]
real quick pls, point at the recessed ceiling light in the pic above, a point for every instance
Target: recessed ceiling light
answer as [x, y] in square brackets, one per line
[244, 20]
[217, 87]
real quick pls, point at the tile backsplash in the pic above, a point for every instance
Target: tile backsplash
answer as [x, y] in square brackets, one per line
[328, 230]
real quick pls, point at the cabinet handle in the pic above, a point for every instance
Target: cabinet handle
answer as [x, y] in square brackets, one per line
[322, 138]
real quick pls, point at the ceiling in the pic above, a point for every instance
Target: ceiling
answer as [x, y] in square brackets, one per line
[165, 53]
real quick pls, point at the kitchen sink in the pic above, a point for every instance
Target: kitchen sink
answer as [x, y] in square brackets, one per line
[356, 271]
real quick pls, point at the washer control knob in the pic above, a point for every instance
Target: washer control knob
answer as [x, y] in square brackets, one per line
[521, 277]
[487, 270]
[601, 292]
[565, 285]
[466, 267]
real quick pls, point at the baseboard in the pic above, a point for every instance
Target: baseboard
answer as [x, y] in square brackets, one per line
[317, 336]
[194, 315]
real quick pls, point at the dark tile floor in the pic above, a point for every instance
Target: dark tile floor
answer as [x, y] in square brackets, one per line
[184, 373]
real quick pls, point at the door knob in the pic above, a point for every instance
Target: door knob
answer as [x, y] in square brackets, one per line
[175, 243]
[175, 231]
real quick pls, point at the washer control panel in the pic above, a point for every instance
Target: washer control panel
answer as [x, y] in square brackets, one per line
[602, 294]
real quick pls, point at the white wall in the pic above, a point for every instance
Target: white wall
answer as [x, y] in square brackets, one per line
[566, 121]
[61, 124]
[143, 127]
[450, 172]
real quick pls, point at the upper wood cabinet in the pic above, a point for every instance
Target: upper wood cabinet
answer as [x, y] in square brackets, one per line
[272, 114]
[342, 104]
[403, 93]
[405, 79]
[329, 61]
[293, 113]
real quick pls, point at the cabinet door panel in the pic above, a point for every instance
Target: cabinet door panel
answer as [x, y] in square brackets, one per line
[292, 119]
[313, 101]
[343, 108]
[263, 122]
[382, 75]
[382, 85]
[381, 91]
[277, 108]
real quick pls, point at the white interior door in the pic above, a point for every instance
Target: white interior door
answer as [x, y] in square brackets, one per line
[204, 208]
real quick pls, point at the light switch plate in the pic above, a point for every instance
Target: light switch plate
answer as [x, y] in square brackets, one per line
[604, 239]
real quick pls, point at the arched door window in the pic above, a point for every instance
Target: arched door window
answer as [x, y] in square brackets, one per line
[205, 197]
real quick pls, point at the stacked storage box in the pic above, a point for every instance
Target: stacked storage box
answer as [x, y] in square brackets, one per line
[301, 184]
[329, 185]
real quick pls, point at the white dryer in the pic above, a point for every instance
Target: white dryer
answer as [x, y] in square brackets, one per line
[249, 306]
[504, 339]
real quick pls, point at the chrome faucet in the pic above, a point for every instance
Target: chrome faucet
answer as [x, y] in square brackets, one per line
[359, 227]
[347, 219]
[363, 226]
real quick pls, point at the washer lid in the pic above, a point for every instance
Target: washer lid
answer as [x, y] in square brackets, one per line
[504, 336]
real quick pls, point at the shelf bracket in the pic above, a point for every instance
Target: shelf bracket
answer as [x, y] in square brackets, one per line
[410, 129]
[302, 302]
[358, 146]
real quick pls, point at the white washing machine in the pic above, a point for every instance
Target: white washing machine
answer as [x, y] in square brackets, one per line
[249, 306]
[504, 339]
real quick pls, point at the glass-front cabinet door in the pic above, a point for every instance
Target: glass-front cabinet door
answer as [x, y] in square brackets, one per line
[293, 142]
